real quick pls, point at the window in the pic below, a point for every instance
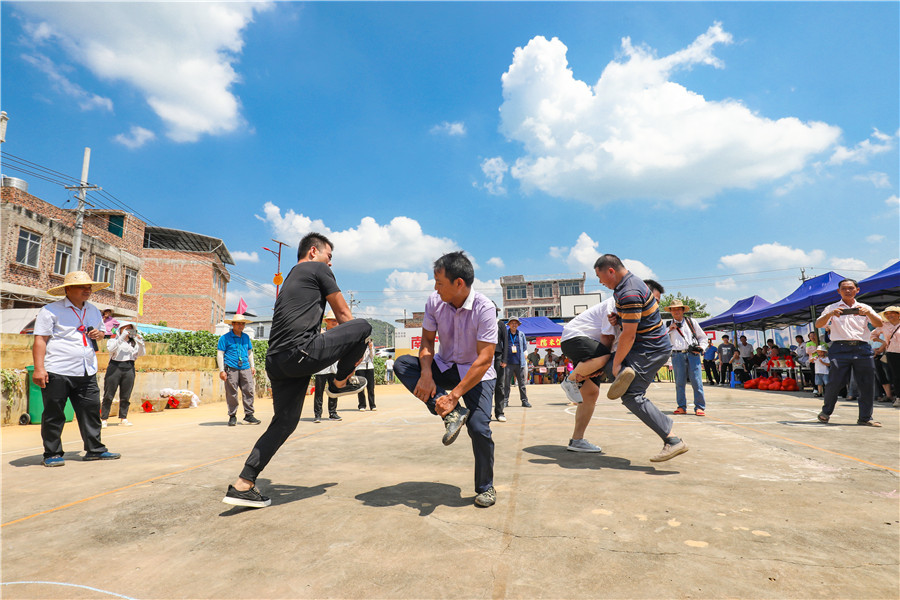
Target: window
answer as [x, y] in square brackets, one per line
[516, 312]
[116, 225]
[261, 332]
[516, 292]
[543, 290]
[131, 282]
[545, 312]
[569, 288]
[105, 271]
[29, 248]
[63, 258]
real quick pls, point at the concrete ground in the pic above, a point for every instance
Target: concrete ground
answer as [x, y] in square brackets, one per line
[767, 503]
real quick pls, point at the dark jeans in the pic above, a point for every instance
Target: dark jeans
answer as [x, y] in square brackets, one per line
[846, 358]
[290, 372]
[85, 395]
[712, 371]
[477, 400]
[499, 397]
[369, 374]
[319, 395]
[726, 368]
[519, 373]
[119, 375]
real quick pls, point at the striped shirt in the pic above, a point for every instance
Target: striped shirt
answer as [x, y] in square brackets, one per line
[635, 304]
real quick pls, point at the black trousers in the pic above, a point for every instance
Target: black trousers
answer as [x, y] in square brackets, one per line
[846, 358]
[321, 382]
[500, 395]
[893, 359]
[290, 372]
[119, 376]
[712, 371]
[726, 368]
[369, 374]
[85, 395]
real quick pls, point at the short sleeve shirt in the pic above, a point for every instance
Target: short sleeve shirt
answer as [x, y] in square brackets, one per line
[69, 351]
[460, 329]
[236, 349]
[848, 327]
[635, 304]
[300, 306]
[726, 352]
[592, 323]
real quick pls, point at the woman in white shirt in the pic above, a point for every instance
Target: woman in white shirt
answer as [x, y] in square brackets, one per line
[889, 334]
[366, 369]
[124, 348]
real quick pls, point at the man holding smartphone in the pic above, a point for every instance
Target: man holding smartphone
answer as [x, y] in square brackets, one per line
[850, 351]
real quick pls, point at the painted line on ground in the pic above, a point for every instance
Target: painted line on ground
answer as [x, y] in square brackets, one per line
[501, 577]
[75, 585]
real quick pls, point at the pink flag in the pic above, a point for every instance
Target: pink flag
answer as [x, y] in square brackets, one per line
[242, 307]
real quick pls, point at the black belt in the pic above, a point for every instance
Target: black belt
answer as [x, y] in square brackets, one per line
[122, 362]
[678, 351]
[851, 342]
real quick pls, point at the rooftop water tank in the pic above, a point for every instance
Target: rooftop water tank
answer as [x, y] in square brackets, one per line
[14, 182]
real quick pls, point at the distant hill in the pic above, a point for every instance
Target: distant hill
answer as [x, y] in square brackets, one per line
[382, 332]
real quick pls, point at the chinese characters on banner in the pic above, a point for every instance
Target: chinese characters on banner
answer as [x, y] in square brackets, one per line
[548, 342]
[415, 342]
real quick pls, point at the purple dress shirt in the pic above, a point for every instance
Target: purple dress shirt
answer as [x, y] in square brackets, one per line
[460, 329]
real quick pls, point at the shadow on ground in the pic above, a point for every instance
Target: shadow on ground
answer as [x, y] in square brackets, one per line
[281, 494]
[424, 496]
[561, 457]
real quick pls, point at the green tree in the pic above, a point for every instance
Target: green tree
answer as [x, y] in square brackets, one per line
[698, 310]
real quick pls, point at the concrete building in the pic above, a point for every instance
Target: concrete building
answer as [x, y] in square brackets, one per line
[538, 297]
[36, 253]
[189, 277]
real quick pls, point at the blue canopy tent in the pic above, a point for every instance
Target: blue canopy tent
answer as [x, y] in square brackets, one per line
[881, 289]
[753, 303]
[539, 326]
[798, 308]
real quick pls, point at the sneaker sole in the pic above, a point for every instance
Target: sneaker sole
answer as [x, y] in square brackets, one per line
[585, 450]
[56, 464]
[247, 503]
[345, 391]
[462, 422]
[92, 458]
[621, 384]
[669, 456]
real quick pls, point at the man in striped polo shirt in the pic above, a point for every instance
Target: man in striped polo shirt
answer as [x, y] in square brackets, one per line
[644, 347]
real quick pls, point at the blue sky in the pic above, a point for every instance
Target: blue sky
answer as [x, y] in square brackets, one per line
[716, 146]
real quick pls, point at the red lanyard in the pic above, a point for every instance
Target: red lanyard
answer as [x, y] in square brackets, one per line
[81, 320]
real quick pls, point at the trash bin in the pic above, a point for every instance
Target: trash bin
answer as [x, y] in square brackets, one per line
[36, 400]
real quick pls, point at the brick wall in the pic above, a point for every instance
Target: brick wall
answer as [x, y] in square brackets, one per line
[184, 292]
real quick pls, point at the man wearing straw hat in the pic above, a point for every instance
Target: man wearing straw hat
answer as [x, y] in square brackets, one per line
[65, 366]
[687, 340]
[889, 334]
[234, 356]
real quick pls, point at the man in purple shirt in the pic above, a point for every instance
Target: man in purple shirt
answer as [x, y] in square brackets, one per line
[463, 368]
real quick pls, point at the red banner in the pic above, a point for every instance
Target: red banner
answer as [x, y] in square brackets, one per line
[548, 342]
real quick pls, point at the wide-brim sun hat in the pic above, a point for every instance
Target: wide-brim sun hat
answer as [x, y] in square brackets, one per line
[677, 304]
[895, 309]
[329, 314]
[516, 319]
[237, 319]
[77, 278]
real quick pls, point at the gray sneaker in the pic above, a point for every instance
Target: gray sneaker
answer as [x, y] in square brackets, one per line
[572, 390]
[454, 423]
[354, 385]
[582, 445]
[486, 498]
[670, 451]
[620, 385]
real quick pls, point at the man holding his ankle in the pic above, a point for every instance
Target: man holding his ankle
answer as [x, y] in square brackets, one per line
[643, 348]
[298, 350]
[463, 369]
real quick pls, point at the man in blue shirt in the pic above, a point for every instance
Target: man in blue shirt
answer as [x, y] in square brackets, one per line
[236, 369]
[514, 363]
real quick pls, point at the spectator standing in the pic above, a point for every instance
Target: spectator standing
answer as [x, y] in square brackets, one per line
[500, 395]
[389, 370]
[710, 364]
[745, 351]
[889, 333]
[534, 364]
[65, 367]
[123, 349]
[687, 340]
[821, 364]
[234, 355]
[110, 323]
[850, 351]
[550, 365]
[514, 366]
[727, 355]
[366, 370]
[323, 377]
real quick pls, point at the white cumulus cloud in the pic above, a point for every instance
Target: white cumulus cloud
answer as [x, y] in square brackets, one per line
[771, 256]
[726, 284]
[581, 257]
[875, 238]
[637, 134]
[893, 202]
[494, 170]
[135, 138]
[239, 255]
[86, 100]
[849, 264]
[496, 261]
[876, 144]
[455, 129]
[400, 244]
[878, 179]
[179, 55]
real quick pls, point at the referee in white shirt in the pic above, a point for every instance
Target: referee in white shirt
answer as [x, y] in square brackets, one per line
[65, 366]
[850, 350]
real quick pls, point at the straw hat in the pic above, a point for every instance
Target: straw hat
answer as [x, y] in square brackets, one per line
[895, 309]
[237, 319]
[329, 314]
[77, 278]
[677, 304]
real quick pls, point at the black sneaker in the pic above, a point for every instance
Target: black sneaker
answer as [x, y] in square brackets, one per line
[335, 417]
[317, 419]
[526, 404]
[454, 423]
[251, 498]
[102, 456]
[232, 420]
[354, 385]
[252, 420]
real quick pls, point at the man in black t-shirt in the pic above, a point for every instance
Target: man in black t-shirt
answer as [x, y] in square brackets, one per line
[298, 350]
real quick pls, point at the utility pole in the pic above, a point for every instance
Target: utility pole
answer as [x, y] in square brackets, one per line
[79, 216]
[353, 302]
[278, 279]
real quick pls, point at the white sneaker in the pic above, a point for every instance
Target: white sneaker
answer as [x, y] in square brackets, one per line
[572, 390]
[501, 418]
[102, 424]
[125, 423]
[582, 445]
